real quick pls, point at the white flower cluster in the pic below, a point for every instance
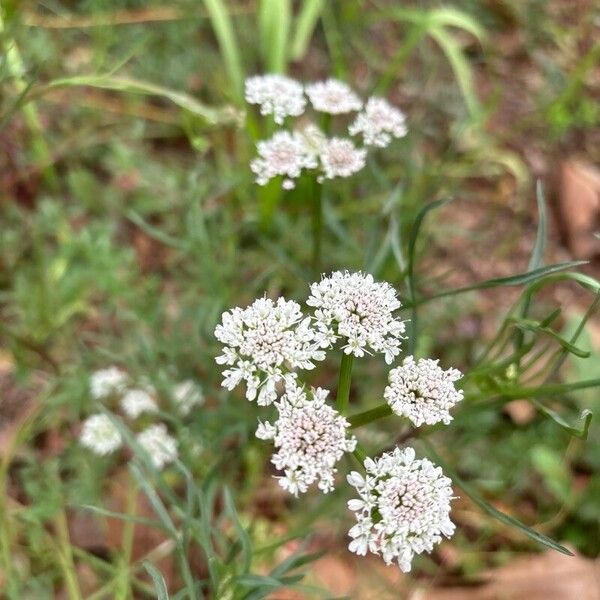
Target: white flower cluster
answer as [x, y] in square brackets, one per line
[404, 504]
[288, 154]
[187, 395]
[138, 401]
[333, 97]
[264, 344]
[276, 95]
[357, 308]
[422, 391]
[160, 446]
[99, 434]
[310, 438]
[105, 382]
[285, 154]
[403, 507]
[379, 123]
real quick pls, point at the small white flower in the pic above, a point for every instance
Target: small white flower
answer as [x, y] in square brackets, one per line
[138, 401]
[265, 343]
[356, 307]
[99, 434]
[422, 391]
[285, 154]
[310, 438]
[105, 382]
[276, 95]
[378, 123]
[160, 446]
[341, 158]
[333, 97]
[187, 395]
[403, 509]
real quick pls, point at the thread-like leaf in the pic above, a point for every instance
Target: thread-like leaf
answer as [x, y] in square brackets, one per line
[159, 581]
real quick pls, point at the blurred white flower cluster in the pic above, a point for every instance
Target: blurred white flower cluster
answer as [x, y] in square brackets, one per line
[99, 432]
[288, 153]
[404, 504]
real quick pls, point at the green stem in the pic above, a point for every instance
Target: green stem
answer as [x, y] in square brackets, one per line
[360, 454]
[65, 557]
[363, 418]
[317, 226]
[343, 393]
[15, 67]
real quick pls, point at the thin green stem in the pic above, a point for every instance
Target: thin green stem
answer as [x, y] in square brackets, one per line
[65, 557]
[317, 226]
[343, 393]
[14, 65]
[368, 416]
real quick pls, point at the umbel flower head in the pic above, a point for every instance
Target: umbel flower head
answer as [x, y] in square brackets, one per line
[355, 307]
[99, 435]
[160, 446]
[402, 509]
[137, 401]
[341, 158]
[285, 154]
[108, 381]
[422, 391]
[333, 97]
[310, 438]
[276, 95]
[379, 123]
[264, 344]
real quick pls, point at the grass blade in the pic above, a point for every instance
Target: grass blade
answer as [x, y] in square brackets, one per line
[537, 255]
[306, 22]
[412, 243]
[579, 432]
[513, 280]
[159, 581]
[242, 533]
[223, 29]
[212, 116]
[275, 18]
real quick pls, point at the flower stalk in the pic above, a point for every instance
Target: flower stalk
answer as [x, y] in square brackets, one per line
[345, 380]
[317, 225]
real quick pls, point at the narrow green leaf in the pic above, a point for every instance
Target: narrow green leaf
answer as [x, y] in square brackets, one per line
[580, 432]
[451, 17]
[306, 22]
[122, 516]
[275, 18]
[224, 32]
[154, 499]
[244, 538]
[513, 280]
[412, 243]
[537, 255]
[213, 116]
[534, 326]
[159, 581]
[536, 536]
[460, 66]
